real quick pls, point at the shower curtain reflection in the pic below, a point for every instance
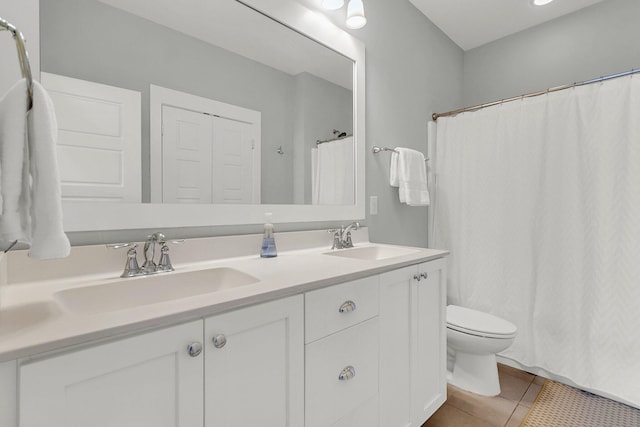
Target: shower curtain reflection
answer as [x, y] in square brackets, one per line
[332, 172]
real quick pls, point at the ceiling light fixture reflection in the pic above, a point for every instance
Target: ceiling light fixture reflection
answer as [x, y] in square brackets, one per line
[355, 14]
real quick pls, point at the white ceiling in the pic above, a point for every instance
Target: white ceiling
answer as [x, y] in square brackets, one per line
[472, 23]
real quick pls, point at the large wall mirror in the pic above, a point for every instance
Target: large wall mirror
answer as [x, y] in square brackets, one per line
[235, 109]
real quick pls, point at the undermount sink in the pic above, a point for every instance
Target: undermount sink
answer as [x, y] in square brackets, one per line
[152, 289]
[372, 253]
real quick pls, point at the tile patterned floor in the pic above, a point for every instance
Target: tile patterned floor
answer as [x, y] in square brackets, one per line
[464, 409]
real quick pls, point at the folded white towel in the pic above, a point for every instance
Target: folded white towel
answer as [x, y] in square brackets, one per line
[30, 185]
[408, 172]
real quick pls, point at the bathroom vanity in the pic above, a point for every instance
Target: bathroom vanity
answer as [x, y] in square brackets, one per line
[314, 337]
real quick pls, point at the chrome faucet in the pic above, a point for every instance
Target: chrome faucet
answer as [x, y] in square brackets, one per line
[342, 236]
[132, 269]
[346, 234]
[149, 265]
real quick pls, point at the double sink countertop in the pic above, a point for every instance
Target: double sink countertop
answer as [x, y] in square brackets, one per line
[50, 305]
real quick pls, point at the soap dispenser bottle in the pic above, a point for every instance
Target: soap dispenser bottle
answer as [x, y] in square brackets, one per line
[268, 249]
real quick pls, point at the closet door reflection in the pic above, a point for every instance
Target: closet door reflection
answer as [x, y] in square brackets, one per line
[186, 156]
[207, 159]
[234, 180]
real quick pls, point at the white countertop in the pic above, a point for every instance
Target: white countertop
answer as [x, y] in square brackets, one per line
[32, 321]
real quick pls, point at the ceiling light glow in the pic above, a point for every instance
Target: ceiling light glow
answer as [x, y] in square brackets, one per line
[541, 2]
[332, 4]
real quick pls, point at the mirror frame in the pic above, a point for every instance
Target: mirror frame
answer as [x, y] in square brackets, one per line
[94, 216]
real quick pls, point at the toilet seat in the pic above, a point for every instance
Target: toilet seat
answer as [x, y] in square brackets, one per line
[480, 324]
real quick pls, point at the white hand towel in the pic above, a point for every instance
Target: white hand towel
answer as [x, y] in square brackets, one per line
[408, 172]
[47, 235]
[29, 183]
[14, 181]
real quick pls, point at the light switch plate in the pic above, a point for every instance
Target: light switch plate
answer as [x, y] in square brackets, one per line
[373, 205]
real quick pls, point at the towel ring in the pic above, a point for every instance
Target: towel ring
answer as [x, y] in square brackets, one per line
[23, 56]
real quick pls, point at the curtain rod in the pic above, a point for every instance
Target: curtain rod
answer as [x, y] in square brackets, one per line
[318, 142]
[435, 116]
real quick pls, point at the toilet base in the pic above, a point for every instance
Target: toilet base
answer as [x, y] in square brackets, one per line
[477, 373]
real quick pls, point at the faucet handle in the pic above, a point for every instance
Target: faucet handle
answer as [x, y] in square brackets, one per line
[165, 261]
[176, 241]
[131, 268]
[348, 243]
[337, 238]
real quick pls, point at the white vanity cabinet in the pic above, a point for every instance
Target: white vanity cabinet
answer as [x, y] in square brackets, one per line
[413, 381]
[254, 366]
[341, 355]
[160, 379]
[363, 353]
[145, 380]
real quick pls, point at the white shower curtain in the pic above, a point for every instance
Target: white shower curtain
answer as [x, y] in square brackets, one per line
[333, 173]
[539, 202]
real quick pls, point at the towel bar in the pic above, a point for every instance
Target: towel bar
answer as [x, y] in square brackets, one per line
[377, 150]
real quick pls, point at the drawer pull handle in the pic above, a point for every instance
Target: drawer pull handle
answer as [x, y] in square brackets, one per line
[194, 349]
[347, 307]
[347, 373]
[219, 341]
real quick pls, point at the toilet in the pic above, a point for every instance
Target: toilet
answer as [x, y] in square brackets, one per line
[473, 339]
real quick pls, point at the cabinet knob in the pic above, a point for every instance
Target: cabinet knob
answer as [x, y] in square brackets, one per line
[347, 373]
[424, 275]
[219, 341]
[347, 307]
[194, 349]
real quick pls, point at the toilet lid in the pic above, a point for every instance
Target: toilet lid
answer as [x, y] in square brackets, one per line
[478, 323]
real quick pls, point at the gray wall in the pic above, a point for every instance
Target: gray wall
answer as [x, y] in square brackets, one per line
[413, 69]
[596, 41]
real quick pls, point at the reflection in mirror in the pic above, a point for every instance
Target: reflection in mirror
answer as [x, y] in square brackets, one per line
[196, 102]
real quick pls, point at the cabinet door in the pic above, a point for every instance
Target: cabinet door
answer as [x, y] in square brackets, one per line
[412, 344]
[257, 376]
[143, 381]
[8, 398]
[396, 327]
[429, 364]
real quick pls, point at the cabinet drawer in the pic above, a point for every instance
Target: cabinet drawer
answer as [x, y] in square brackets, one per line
[338, 307]
[328, 398]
